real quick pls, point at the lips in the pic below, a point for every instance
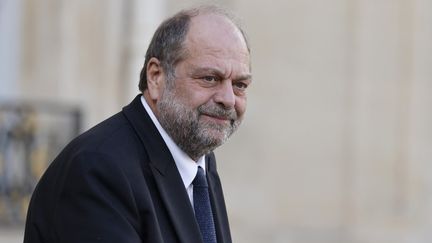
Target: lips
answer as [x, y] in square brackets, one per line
[218, 118]
[224, 118]
[217, 113]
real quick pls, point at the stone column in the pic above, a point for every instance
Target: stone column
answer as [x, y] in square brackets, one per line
[142, 20]
[10, 41]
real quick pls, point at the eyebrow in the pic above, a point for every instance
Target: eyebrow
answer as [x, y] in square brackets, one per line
[244, 77]
[218, 72]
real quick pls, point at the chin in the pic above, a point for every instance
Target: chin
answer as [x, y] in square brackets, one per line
[217, 138]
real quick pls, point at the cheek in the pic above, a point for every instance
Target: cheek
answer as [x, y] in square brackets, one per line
[240, 106]
[197, 99]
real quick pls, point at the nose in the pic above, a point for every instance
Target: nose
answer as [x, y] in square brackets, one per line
[225, 95]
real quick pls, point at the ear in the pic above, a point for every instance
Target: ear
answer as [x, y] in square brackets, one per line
[155, 78]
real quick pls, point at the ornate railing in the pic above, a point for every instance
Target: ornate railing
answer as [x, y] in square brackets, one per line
[31, 134]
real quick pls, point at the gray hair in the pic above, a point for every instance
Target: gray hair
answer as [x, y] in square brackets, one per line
[167, 42]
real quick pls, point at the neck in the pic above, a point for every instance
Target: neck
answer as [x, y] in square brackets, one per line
[151, 103]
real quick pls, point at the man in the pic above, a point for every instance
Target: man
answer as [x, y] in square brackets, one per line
[148, 173]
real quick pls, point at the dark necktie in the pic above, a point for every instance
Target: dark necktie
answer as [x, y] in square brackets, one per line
[202, 207]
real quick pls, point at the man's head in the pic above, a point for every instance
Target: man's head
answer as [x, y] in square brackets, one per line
[195, 77]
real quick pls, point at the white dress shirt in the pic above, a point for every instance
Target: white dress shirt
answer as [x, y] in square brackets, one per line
[186, 166]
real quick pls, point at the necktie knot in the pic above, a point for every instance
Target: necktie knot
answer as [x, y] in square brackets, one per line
[200, 178]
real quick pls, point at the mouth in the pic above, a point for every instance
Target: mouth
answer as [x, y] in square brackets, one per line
[218, 119]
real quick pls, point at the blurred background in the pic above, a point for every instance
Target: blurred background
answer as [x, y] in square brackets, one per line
[337, 143]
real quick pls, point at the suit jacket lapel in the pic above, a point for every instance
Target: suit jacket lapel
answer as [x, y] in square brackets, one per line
[167, 177]
[177, 203]
[218, 203]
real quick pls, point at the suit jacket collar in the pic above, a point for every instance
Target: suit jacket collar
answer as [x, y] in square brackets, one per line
[218, 203]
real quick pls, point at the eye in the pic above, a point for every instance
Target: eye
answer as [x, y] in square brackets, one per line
[240, 86]
[210, 79]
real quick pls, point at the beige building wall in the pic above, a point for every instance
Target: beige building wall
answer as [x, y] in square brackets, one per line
[336, 145]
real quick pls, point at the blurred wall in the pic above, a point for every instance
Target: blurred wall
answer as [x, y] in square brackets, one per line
[336, 143]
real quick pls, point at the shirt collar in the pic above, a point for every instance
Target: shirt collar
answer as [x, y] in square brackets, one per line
[187, 167]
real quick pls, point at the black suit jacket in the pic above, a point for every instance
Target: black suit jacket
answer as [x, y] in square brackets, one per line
[118, 183]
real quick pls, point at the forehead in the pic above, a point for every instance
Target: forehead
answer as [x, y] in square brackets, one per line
[212, 34]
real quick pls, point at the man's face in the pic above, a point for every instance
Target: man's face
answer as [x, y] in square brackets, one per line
[206, 101]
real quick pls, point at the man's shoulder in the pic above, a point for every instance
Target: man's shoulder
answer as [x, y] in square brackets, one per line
[113, 137]
[110, 144]
[108, 130]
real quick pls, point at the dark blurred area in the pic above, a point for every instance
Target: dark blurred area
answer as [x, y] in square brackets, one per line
[31, 134]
